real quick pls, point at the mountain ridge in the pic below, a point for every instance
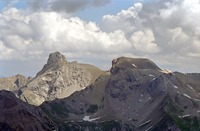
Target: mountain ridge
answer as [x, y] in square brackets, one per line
[135, 94]
[17, 115]
[58, 79]
[123, 95]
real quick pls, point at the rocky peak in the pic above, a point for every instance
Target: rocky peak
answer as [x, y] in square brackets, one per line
[20, 80]
[137, 63]
[58, 79]
[14, 82]
[55, 57]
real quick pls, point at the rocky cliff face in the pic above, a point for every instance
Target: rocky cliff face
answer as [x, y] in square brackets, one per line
[134, 95]
[15, 115]
[13, 83]
[58, 79]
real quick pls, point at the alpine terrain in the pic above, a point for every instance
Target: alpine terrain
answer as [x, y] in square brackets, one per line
[57, 79]
[135, 94]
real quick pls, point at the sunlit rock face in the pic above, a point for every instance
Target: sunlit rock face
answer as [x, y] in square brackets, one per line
[13, 83]
[58, 79]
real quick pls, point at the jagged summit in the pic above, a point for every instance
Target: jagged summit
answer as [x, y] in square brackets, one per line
[58, 79]
[56, 57]
[138, 63]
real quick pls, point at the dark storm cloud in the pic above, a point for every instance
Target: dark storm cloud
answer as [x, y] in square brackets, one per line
[65, 5]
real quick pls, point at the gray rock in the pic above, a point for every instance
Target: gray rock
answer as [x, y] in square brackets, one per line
[13, 83]
[136, 94]
[58, 79]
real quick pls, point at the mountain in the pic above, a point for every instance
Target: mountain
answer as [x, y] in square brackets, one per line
[58, 79]
[194, 76]
[134, 95]
[13, 83]
[17, 115]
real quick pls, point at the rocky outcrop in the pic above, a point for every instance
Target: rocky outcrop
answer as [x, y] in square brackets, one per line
[139, 63]
[19, 116]
[58, 79]
[13, 83]
[137, 95]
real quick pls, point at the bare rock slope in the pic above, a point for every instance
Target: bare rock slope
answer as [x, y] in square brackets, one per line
[134, 95]
[13, 83]
[58, 79]
[16, 115]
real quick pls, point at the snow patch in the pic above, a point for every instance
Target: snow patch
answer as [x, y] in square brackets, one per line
[187, 96]
[196, 99]
[144, 123]
[134, 65]
[166, 71]
[185, 116]
[148, 99]
[190, 88]
[87, 118]
[149, 128]
[176, 87]
[151, 75]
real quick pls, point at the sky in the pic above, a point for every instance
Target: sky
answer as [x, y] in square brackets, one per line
[97, 31]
